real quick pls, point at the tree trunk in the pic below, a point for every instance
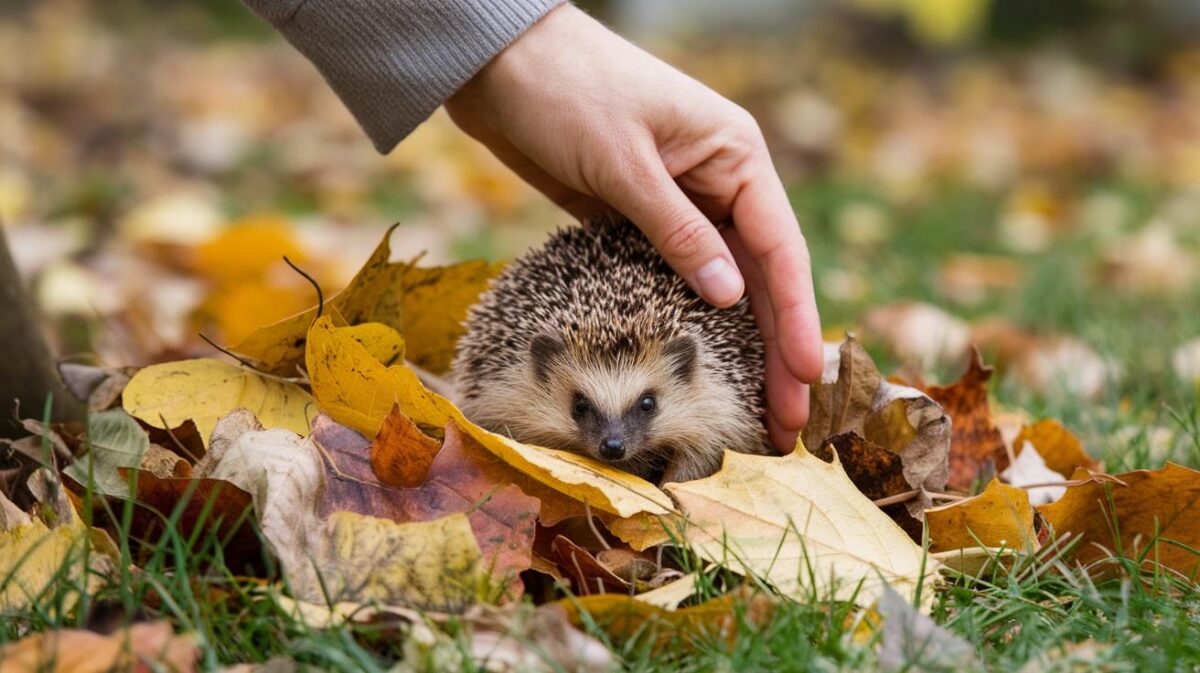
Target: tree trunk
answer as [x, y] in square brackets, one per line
[27, 371]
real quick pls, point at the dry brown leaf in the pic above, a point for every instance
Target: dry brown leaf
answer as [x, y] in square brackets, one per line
[853, 397]
[976, 448]
[142, 647]
[588, 575]
[1151, 512]
[401, 454]
[1000, 516]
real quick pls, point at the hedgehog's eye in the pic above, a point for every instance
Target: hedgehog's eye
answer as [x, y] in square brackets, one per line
[581, 406]
[647, 403]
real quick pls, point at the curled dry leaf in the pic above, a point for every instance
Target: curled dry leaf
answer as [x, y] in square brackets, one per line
[1001, 516]
[358, 391]
[204, 390]
[99, 387]
[426, 306]
[588, 575]
[852, 397]
[142, 647]
[798, 521]
[1149, 515]
[976, 447]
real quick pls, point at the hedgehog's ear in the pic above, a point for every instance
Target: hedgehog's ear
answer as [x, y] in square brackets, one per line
[542, 350]
[682, 353]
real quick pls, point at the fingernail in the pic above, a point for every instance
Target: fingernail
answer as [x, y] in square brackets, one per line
[719, 282]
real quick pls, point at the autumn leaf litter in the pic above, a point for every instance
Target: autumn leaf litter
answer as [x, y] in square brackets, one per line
[372, 491]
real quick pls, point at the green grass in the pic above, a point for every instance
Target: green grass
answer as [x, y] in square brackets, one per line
[1140, 621]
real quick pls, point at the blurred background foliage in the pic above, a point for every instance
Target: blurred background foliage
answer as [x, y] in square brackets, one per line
[1021, 174]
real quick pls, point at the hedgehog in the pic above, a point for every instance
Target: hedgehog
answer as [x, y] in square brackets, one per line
[595, 345]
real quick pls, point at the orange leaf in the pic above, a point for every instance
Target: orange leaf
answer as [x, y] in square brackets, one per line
[1156, 513]
[141, 647]
[975, 442]
[1001, 516]
[401, 454]
[1058, 446]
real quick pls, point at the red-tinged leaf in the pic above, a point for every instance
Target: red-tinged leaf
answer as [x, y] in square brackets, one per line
[502, 516]
[976, 446]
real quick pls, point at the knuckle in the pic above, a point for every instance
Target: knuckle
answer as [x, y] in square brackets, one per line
[685, 238]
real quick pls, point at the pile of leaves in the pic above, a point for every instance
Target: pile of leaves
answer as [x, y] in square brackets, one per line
[312, 459]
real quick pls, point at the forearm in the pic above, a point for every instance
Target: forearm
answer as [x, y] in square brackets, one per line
[393, 62]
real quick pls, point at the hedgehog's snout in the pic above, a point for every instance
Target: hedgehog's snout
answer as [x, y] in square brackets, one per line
[612, 448]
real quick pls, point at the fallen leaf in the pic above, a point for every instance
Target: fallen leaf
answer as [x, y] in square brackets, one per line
[502, 516]
[874, 470]
[358, 391]
[999, 517]
[1059, 447]
[431, 564]
[37, 559]
[425, 306]
[247, 250]
[852, 397]
[401, 454]
[913, 642]
[975, 443]
[117, 441]
[1028, 469]
[204, 507]
[204, 390]
[1152, 516]
[428, 565]
[588, 575]
[626, 618]
[99, 387]
[800, 523]
[142, 647]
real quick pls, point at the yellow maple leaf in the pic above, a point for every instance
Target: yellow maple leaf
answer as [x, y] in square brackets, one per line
[801, 524]
[358, 391]
[425, 305]
[1000, 516]
[204, 390]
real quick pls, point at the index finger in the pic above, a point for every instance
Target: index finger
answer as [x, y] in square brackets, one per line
[771, 234]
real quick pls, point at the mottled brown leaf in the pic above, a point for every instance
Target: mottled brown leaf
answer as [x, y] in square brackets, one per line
[877, 472]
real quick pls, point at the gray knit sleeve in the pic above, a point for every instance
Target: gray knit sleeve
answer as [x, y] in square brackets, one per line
[393, 62]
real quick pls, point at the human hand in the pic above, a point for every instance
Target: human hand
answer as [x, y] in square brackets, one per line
[594, 122]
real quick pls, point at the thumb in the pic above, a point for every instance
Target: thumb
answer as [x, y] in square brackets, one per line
[685, 238]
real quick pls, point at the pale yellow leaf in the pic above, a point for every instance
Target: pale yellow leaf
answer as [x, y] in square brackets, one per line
[204, 390]
[797, 522]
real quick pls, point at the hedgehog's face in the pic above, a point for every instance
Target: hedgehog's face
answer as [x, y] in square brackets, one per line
[617, 407]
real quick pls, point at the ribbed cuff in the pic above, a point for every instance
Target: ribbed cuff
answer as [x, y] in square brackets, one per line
[393, 62]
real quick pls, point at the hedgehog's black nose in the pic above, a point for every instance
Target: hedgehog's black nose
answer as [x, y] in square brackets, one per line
[612, 448]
